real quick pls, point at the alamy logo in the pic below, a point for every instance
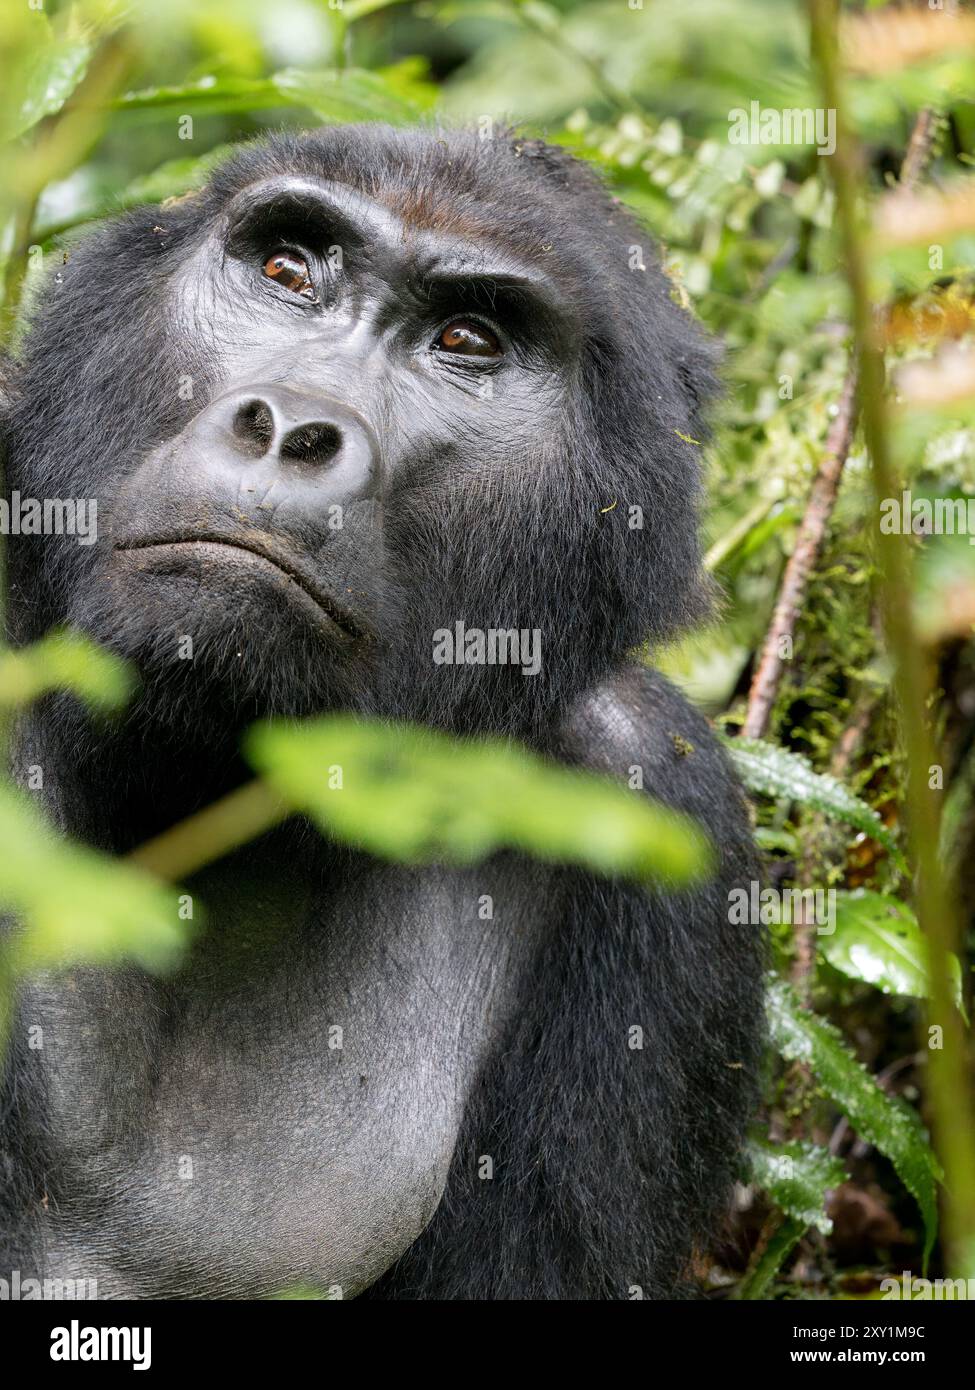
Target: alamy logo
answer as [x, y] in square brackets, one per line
[908, 515]
[77, 1343]
[756, 906]
[766, 125]
[50, 516]
[496, 646]
[19, 1290]
[912, 1288]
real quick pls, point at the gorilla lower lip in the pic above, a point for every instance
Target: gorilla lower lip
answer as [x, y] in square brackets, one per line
[336, 615]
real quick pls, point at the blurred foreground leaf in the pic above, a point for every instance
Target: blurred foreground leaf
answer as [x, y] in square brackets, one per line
[397, 95]
[172, 179]
[64, 661]
[412, 795]
[49, 66]
[74, 904]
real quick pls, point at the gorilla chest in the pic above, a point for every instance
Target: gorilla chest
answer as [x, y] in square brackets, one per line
[286, 1108]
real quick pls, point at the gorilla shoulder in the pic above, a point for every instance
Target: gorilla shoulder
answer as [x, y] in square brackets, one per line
[638, 728]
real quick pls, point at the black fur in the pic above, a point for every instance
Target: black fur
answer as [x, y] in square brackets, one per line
[611, 1163]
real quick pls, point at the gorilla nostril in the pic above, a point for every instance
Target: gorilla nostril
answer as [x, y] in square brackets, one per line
[313, 443]
[253, 425]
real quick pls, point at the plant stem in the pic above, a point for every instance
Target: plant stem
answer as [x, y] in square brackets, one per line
[805, 552]
[240, 816]
[950, 1083]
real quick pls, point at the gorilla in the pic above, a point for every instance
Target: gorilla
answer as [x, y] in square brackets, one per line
[367, 386]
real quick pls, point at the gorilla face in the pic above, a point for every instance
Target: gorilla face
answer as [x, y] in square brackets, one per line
[367, 386]
[361, 373]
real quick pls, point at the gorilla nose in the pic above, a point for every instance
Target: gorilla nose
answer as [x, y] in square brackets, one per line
[294, 433]
[313, 441]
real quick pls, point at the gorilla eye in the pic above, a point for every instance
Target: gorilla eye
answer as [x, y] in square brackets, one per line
[291, 271]
[468, 340]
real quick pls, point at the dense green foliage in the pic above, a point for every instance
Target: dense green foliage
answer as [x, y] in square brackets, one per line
[115, 105]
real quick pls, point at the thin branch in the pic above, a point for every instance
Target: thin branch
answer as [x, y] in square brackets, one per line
[920, 147]
[795, 580]
[822, 496]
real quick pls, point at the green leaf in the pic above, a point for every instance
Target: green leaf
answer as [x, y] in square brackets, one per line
[409, 794]
[172, 179]
[772, 841]
[208, 94]
[884, 1121]
[877, 939]
[74, 904]
[54, 68]
[773, 771]
[397, 95]
[797, 1176]
[169, 180]
[356, 95]
[64, 661]
[728, 545]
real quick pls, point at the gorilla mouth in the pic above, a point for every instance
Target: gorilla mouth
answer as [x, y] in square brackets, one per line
[337, 615]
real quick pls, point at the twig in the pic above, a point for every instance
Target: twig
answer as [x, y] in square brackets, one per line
[812, 529]
[848, 744]
[920, 147]
[846, 749]
[822, 496]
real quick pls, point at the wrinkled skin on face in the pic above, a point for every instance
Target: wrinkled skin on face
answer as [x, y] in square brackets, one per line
[366, 386]
[303, 464]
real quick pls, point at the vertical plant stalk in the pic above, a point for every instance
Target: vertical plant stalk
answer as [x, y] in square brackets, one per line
[16, 267]
[950, 1082]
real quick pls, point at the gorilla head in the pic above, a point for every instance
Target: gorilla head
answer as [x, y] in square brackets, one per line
[367, 385]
